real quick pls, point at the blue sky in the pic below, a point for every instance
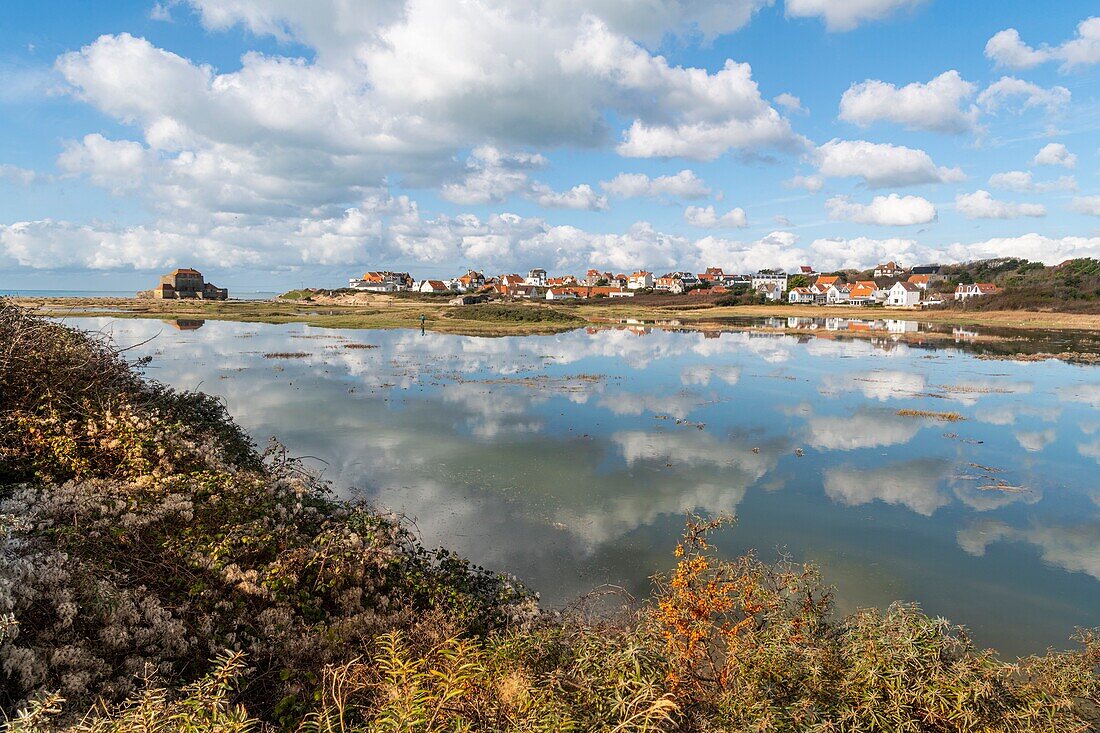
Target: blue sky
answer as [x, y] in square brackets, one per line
[270, 142]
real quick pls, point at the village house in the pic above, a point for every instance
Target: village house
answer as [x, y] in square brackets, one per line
[934, 273]
[807, 271]
[890, 269]
[185, 283]
[975, 290]
[779, 279]
[536, 278]
[560, 294]
[640, 280]
[903, 295]
[862, 293]
[921, 281]
[837, 294]
[433, 286]
[800, 295]
[770, 290]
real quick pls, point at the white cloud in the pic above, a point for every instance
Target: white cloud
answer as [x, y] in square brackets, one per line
[580, 197]
[684, 184]
[882, 165]
[937, 106]
[845, 15]
[1089, 205]
[1021, 182]
[1007, 49]
[1055, 154]
[791, 103]
[813, 184]
[706, 218]
[859, 253]
[681, 112]
[1034, 247]
[1011, 93]
[892, 210]
[981, 205]
[15, 174]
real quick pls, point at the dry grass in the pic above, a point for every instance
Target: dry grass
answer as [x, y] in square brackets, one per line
[931, 414]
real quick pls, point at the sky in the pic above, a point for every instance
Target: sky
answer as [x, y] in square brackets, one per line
[276, 143]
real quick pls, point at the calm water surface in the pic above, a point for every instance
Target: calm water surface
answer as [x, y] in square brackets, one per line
[570, 460]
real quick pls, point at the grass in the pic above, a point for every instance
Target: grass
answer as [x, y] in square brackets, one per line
[515, 314]
[944, 416]
[286, 355]
[141, 530]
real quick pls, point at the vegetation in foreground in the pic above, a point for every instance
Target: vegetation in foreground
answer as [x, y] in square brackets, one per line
[159, 573]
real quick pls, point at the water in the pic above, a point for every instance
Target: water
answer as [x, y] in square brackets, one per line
[571, 460]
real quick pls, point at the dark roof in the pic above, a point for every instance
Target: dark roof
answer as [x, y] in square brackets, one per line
[925, 270]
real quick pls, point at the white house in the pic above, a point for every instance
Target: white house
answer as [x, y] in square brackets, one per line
[770, 291]
[890, 269]
[903, 295]
[779, 279]
[639, 280]
[433, 286]
[974, 290]
[800, 295]
[536, 278]
[560, 294]
[837, 294]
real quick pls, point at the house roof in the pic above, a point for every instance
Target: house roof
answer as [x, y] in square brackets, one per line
[919, 279]
[861, 290]
[805, 269]
[185, 271]
[826, 280]
[908, 287]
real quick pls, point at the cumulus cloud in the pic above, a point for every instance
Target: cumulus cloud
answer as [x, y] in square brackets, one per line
[1006, 48]
[1089, 205]
[882, 165]
[845, 15]
[982, 205]
[938, 105]
[1033, 246]
[682, 112]
[581, 197]
[1055, 154]
[1014, 94]
[684, 184]
[859, 253]
[15, 174]
[707, 218]
[813, 184]
[1021, 182]
[791, 103]
[892, 210]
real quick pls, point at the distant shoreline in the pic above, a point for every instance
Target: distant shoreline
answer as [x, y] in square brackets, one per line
[384, 311]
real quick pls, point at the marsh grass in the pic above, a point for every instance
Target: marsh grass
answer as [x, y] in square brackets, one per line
[932, 415]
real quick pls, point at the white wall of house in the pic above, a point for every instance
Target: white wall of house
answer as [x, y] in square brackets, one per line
[901, 297]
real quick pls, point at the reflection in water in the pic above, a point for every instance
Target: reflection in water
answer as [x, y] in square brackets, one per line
[184, 324]
[571, 459]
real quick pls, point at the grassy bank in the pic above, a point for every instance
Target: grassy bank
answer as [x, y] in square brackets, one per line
[382, 311]
[162, 573]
